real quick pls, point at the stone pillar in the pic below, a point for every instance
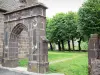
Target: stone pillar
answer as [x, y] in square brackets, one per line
[10, 52]
[38, 59]
[93, 55]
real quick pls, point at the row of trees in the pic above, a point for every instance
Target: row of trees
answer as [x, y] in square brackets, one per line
[64, 27]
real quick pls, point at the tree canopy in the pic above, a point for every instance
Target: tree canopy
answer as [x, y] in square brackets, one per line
[89, 17]
[62, 27]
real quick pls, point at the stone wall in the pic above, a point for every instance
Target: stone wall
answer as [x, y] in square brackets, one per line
[23, 44]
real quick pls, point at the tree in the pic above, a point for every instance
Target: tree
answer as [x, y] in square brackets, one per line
[58, 33]
[79, 38]
[89, 18]
[62, 27]
[49, 32]
[71, 27]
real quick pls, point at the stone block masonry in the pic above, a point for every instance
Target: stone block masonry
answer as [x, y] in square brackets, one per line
[29, 22]
[94, 55]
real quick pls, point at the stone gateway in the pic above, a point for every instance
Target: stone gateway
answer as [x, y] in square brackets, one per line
[31, 18]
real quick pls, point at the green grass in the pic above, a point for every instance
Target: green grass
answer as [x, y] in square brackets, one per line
[23, 62]
[61, 55]
[78, 65]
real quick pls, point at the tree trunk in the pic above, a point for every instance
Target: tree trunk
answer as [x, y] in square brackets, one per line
[73, 44]
[51, 47]
[79, 44]
[69, 48]
[59, 47]
[62, 42]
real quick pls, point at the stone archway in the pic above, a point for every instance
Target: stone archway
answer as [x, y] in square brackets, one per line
[33, 20]
[13, 44]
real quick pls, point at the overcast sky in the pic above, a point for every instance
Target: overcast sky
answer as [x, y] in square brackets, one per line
[56, 6]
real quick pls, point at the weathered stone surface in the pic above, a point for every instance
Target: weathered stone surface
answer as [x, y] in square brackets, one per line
[23, 45]
[27, 22]
[93, 54]
[11, 5]
[10, 63]
[1, 34]
[95, 69]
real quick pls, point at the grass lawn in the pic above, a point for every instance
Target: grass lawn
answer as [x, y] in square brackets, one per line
[69, 63]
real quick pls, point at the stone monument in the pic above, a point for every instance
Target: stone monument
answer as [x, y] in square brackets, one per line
[31, 17]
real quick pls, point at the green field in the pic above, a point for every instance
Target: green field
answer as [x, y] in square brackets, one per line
[69, 63]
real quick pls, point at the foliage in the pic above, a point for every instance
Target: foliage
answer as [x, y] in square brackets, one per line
[71, 25]
[49, 29]
[89, 17]
[84, 45]
[58, 27]
[62, 26]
